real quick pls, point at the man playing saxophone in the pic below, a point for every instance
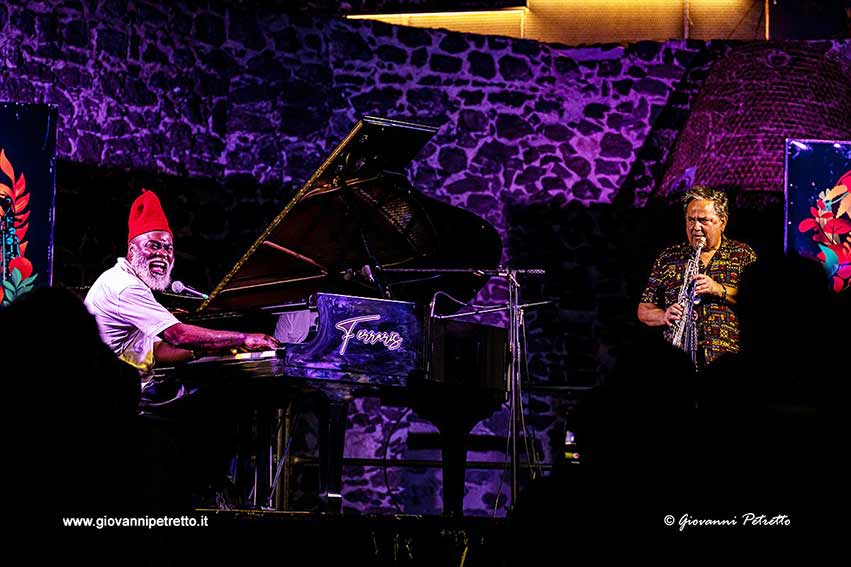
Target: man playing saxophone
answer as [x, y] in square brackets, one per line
[699, 278]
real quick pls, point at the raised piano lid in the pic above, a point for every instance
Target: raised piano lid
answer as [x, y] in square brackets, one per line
[314, 244]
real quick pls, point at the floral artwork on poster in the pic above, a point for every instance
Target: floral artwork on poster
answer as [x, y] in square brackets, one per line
[818, 205]
[27, 198]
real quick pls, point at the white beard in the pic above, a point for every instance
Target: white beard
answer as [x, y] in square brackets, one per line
[156, 283]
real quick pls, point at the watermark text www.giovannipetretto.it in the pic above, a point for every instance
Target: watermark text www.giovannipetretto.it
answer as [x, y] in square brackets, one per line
[748, 519]
[148, 522]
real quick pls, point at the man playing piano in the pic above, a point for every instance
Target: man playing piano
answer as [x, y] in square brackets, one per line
[145, 334]
[134, 325]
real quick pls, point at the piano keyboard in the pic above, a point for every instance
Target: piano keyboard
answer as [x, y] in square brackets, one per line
[240, 356]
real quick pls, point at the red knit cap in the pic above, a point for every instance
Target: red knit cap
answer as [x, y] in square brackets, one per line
[146, 214]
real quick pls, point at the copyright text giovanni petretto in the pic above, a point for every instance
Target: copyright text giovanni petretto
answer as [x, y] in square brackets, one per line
[748, 519]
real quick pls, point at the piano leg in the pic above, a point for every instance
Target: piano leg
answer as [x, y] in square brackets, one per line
[282, 494]
[262, 462]
[332, 437]
[454, 409]
[453, 443]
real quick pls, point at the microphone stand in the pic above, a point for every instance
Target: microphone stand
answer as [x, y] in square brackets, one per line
[514, 371]
[377, 271]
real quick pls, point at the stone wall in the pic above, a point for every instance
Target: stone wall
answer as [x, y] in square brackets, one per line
[226, 111]
[764, 93]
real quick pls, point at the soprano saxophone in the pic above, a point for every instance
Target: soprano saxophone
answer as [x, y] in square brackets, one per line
[686, 300]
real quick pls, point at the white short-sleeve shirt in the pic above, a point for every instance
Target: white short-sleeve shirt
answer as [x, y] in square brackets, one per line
[128, 316]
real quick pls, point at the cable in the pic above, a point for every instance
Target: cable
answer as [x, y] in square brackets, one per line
[466, 549]
[384, 458]
[274, 488]
[437, 293]
[281, 461]
[530, 457]
[504, 466]
[533, 456]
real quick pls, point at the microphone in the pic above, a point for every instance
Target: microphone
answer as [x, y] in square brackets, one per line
[178, 286]
[363, 274]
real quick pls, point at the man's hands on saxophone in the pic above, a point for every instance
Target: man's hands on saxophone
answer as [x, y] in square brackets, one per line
[704, 285]
[672, 314]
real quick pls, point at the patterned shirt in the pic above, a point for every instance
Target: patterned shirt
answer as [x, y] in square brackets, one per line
[717, 325]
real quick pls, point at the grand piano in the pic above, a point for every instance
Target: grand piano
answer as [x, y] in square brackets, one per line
[333, 252]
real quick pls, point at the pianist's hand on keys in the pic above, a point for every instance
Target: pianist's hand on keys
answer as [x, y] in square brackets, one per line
[259, 341]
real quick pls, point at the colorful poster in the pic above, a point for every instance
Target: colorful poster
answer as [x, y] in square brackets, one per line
[818, 205]
[27, 197]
